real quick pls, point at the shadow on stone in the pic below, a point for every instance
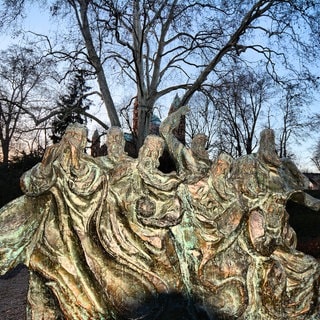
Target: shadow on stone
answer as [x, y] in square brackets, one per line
[173, 306]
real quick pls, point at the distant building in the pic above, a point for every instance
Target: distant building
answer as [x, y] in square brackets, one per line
[154, 125]
[95, 146]
[97, 150]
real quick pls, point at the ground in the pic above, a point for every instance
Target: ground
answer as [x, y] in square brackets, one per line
[13, 294]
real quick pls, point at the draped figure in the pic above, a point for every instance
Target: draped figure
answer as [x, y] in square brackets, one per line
[115, 238]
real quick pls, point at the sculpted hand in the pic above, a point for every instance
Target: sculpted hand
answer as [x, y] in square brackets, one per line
[75, 155]
[50, 155]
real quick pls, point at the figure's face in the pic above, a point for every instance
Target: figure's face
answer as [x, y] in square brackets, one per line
[77, 137]
[151, 151]
[157, 150]
[200, 140]
[83, 139]
[115, 138]
[115, 143]
[198, 146]
[155, 147]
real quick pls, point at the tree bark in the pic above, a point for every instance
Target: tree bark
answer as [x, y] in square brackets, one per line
[96, 63]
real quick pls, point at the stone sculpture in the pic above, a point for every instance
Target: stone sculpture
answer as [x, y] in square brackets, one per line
[115, 238]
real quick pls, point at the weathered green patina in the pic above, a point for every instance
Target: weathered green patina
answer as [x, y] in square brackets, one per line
[115, 238]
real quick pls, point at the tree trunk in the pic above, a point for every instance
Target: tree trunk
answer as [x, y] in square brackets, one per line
[5, 151]
[144, 120]
[96, 63]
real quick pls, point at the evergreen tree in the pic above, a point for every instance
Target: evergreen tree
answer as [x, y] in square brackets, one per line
[71, 106]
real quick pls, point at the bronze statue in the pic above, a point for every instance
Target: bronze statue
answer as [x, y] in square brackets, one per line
[115, 238]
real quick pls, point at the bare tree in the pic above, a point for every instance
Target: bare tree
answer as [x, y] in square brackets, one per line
[294, 122]
[164, 46]
[316, 155]
[203, 118]
[21, 74]
[239, 100]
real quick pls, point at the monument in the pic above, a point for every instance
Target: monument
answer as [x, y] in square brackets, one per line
[115, 238]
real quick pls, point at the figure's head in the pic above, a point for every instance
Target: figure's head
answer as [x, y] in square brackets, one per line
[267, 148]
[115, 142]
[222, 166]
[76, 134]
[152, 149]
[199, 146]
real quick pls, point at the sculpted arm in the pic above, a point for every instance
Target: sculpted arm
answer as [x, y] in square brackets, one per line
[176, 149]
